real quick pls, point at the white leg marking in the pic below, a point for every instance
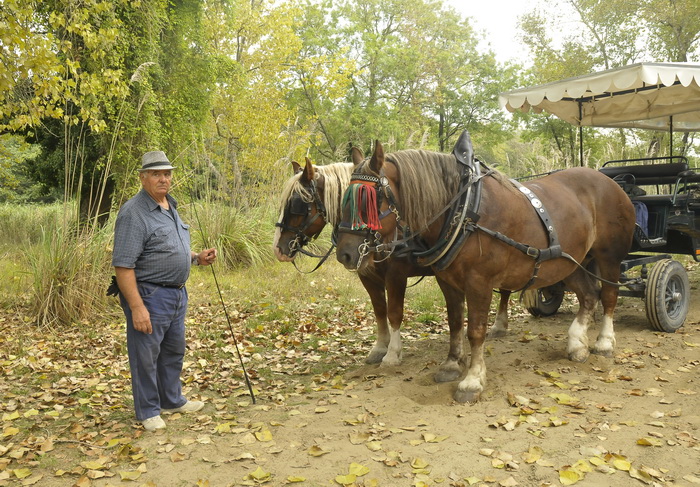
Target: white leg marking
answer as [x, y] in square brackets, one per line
[471, 387]
[578, 339]
[381, 345]
[393, 354]
[500, 325]
[605, 345]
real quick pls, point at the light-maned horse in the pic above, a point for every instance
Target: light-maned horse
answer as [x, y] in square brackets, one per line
[594, 219]
[311, 199]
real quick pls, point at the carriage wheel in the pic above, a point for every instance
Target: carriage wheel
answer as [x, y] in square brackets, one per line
[667, 295]
[544, 301]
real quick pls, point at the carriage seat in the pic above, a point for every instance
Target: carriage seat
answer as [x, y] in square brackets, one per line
[648, 174]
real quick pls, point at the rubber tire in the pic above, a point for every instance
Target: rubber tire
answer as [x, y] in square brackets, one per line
[549, 300]
[667, 295]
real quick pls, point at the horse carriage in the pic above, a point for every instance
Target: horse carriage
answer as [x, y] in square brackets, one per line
[664, 190]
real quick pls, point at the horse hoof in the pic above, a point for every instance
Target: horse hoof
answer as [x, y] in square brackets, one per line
[446, 375]
[375, 358]
[603, 353]
[390, 362]
[466, 396]
[497, 333]
[579, 356]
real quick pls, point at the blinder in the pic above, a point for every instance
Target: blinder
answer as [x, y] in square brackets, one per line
[297, 206]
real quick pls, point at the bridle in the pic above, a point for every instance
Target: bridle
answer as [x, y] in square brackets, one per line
[300, 206]
[369, 231]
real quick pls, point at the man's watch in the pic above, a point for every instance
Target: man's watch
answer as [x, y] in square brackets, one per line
[195, 259]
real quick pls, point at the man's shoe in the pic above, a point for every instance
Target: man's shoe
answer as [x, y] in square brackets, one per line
[188, 407]
[154, 423]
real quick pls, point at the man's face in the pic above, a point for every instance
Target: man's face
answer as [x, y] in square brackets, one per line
[157, 183]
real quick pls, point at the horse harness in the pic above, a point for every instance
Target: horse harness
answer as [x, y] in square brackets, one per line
[461, 221]
[301, 207]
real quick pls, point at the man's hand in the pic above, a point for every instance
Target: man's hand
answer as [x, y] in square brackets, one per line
[142, 319]
[206, 257]
[126, 279]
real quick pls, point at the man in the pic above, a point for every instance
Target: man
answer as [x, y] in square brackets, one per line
[152, 260]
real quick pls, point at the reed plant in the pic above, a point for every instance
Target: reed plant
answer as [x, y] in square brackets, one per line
[70, 268]
[23, 224]
[242, 237]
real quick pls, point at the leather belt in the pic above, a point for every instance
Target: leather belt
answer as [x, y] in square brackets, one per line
[173, 286]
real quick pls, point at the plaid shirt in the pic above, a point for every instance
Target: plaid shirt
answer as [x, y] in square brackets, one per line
[152, 240]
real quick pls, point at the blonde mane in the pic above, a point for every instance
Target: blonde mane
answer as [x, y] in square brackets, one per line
[434, 175]
[336, 179]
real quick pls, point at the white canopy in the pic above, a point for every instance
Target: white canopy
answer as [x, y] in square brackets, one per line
[657, 96]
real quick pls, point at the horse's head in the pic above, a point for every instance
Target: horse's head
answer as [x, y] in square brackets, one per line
[303, 215]
[369, 214]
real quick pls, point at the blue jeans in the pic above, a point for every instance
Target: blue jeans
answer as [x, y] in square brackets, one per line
[155, 360]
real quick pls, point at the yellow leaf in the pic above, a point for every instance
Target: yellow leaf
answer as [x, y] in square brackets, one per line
[358, 470]
[346, 479]
[92, 465]
[646, 441]
[22, 473]
[11, 431]
[533, 454]
[472, 480]
[621, 464]
[569, 477]
[264, 435]
[10, 416]
[374, 445]
[564, 399]
[316, 451]
[32, 480]
[30, 413]
[419, 463]
[293, 479]
[582, 466]
[259, 474]
[129, 475]
[222, 428]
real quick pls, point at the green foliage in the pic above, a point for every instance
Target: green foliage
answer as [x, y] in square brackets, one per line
[15, 184]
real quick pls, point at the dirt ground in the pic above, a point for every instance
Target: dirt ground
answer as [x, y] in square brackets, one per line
[624, 421]
[543, 420]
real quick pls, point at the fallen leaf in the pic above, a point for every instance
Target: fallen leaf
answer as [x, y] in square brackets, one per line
[317, 451]
[569, 476]
[533, 454]
[129, 475]
[358, 470]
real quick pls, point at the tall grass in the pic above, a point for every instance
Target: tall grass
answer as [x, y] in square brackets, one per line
[22, 225]
[242, 238]
[69, 269]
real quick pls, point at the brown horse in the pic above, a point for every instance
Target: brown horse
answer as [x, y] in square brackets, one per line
[310, 200]
[593, 216]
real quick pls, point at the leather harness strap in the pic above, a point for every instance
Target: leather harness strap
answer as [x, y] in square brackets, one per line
[554, 250]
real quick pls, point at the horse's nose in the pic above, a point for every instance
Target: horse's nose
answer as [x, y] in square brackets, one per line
[343, 257]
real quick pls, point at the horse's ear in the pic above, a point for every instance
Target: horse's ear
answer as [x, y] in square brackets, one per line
[357, 155]
[296, 167]
[377, 161]
[308, 171]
